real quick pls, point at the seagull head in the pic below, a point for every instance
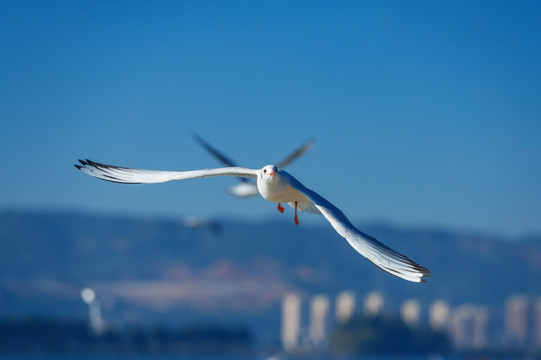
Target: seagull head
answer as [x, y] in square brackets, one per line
[269, 173]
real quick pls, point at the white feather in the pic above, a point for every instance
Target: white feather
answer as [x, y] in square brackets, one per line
[141, 176]
[378, 253]
[280, 187]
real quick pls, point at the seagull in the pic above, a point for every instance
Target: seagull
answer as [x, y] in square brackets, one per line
[194, 222]
[248, 187]
[278, 186]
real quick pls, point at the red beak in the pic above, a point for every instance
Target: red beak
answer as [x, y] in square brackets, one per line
[271, 173]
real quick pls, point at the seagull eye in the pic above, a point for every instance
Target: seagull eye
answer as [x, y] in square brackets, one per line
[264, 171]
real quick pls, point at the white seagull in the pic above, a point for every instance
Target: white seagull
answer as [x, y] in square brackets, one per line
[278, 186]
[248, 187]
[194, 222]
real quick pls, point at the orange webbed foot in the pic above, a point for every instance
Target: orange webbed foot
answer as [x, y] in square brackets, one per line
[280, 208]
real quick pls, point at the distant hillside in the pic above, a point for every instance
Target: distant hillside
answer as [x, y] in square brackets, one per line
[161, 270]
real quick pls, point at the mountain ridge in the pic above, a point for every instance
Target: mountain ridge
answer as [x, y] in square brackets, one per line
[155, 269]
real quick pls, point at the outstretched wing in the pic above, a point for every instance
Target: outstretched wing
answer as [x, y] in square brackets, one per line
[228, 162]
[301, 150]
[140, 176]
[378, 253]
[217, 154]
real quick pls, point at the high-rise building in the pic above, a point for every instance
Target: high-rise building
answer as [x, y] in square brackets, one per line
[517, 326]
[291, 321]
[469, 326]
[96, 322]
[410, 312]
[438, 315]
[537, 323]
[345, 306]
[480, 328]
[373, 304]
[319, 311]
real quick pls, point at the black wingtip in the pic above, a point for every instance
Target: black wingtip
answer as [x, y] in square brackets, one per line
[83, 164]
[91, 163]
[97, 164]
[426, 273]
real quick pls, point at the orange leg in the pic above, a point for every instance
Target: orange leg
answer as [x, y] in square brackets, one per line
[280, 208]
[296, 218]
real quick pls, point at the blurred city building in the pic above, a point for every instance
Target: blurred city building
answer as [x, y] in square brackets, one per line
[469, 326]
[96, 323]
[345, 306]
[373, 304]
[319, 311]
[438, 316]
[537, 323]
[291, 322]
[410, 312]
[516, 320]
[516, 324]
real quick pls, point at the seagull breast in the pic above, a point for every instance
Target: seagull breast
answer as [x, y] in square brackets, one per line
[276, 188]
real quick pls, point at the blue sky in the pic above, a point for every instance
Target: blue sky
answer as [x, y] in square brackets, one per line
[423, 113]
